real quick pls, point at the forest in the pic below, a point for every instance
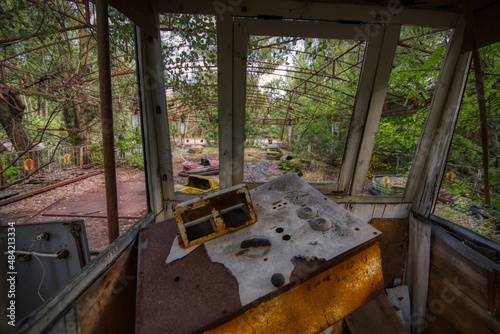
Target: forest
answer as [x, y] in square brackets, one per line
[300, 92]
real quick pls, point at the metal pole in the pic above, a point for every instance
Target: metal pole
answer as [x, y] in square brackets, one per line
[108, 143]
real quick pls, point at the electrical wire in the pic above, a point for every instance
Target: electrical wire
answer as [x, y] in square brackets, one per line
[55, 255]
[43, 269]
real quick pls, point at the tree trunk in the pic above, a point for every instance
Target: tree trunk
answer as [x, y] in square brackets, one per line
[77, 116]
[12, 110]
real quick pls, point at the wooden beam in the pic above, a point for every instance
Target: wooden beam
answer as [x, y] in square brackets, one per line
[377, 100]
[435, 113]
[240, 40]
[225, 98]
[418, 271]
[481, 100]
[393, 12]
[430, 180]
[107, 129]
[157, 153]
[484, 245]
[306, 29]
[359, 115]
[487, 31]
[142, 13]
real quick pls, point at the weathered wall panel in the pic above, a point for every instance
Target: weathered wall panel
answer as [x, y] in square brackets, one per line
[108, 306]
[369, 211]
[462, 289]
[393, 247]
[417, 277]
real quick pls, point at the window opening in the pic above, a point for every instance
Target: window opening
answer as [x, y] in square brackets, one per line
[461, 195]
[189, 47]
[417, 63]
[299, 102]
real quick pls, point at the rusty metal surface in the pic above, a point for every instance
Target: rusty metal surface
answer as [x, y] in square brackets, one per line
[212, 214]
[291, 237]
[325, 275]
[183, 296]
[315, 304]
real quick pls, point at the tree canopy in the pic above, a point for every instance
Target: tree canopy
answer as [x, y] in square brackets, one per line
[300, 91]
[49, 61]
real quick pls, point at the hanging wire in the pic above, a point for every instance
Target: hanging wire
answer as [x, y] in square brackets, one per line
[43, 269]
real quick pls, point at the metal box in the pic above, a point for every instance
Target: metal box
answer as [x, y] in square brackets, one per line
[218, 213]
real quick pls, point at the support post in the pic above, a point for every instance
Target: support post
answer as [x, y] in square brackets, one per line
[376, 105]
[225, 98]
[106, 105]
[240, 42]
[157, 152]
[417, 277]
[446, 77]
[359, 115]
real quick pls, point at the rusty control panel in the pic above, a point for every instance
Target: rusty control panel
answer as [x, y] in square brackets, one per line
[304, 265]
[218, 213]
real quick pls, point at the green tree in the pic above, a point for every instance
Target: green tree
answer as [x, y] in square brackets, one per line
[49, 56]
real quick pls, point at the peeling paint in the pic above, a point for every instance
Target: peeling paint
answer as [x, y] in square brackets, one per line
[216, 214]
[291, 237]
[316, 303]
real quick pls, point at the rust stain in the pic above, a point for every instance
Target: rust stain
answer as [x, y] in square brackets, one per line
[317, 303]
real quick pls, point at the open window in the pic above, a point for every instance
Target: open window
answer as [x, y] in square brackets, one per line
[299, 102]
[461, 198]
[417, 62]
[300, 80]
[189, 47]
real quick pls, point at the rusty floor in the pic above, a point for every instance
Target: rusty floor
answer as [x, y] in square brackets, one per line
[131, 203]
[88, 204]
[92, 209]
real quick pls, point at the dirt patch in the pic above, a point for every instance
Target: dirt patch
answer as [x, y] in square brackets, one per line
[71, 199]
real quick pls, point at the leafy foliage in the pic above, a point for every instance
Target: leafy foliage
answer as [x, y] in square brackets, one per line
[465, 158]
[49, 53]
[304, 84]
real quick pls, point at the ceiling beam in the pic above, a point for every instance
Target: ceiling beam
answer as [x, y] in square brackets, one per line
[143, 13]
[487, 29]
[390, 12]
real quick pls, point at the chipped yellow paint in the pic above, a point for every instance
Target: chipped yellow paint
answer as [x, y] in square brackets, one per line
[317, 303]
[211, 206]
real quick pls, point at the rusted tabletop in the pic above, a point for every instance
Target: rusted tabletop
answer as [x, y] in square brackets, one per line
[220, 279]
[183, 296]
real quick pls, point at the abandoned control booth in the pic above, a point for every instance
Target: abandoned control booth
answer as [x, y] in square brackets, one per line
[251, 280]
